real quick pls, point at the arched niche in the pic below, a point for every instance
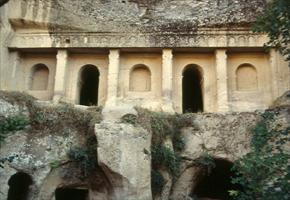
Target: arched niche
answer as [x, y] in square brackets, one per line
[140, 79]
[192, 89]
[214, 182]
[246, 78]
[19, 185]
[89, 85]
[39, 77]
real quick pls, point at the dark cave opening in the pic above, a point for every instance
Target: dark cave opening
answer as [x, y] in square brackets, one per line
[71, 194]
[192, 100]
[216, 183]
[19, 186]
[89, 85]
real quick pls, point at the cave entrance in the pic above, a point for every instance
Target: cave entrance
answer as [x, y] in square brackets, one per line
[71, 194]
[19, 186]
[192, 83]
[89, 87]
[216, 183]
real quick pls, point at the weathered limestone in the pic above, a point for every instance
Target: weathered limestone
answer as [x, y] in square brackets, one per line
[166, 190]
[222, 80]
[122, 155]
[284, 100]
[224, 136]
[274, 72]
[113, 74]
[16, 69]
[184, 185]
[164, 40]
[60, 75]
[5, 36]
[167, 80]
[116, 36]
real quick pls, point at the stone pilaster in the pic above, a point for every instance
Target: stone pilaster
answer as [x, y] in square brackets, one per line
[60, 75]
[274, 73]
[14, 81]
[222, 80]
[113, 76]
[167, 71]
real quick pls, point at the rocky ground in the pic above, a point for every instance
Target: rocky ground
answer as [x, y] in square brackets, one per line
[66, 146]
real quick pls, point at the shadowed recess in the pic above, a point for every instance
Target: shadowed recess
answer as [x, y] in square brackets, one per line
[89, 85]
[71, 194]
[192, 90]
[19, 186]
[216, 183]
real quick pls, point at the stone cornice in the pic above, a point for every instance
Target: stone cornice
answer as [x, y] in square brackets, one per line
[201, 38]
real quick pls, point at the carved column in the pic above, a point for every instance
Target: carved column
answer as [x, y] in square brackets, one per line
[60, 75]
[222, 80]
[14, 81]
[167, 84]
[274, 73]
[113, 76]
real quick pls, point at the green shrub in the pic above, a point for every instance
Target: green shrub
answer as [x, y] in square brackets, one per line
[129, 119]
[206, 161]
[19, 98]
[57, 118]
[163, 156]
[85, 157]
[264, 173]
[163, 125]
[157, 182]
[12, 124]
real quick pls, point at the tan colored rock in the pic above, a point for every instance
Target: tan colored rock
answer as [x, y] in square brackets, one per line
[122, 155]
[66, 36]
[284, 100]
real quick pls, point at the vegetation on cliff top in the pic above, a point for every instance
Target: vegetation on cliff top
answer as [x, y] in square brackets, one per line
[166, 142]
[276, 23]
[264, 173]
[59, 119]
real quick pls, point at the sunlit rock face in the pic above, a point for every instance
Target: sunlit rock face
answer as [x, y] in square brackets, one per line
[134, 15]
[173, 56]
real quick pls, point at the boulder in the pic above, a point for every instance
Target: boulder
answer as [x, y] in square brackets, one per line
[123, 155]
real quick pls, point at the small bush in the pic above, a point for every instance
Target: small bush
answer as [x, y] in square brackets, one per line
[56, 119]
[206, 161]
[12, 124]
[264, 173]
[129, 119]
[85, 157]
[157, 182]
[163, 125]
[19, 98]
[163, 156]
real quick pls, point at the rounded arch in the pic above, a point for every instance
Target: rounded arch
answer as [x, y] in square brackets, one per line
[89, 85]
[193, 66]
[246, 77]
[39, 77]
[192, 88]
[19, 184]
[214, 181]
[140, 78]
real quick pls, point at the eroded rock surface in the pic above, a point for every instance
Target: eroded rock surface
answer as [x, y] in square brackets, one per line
[141, 15]
[122, 155]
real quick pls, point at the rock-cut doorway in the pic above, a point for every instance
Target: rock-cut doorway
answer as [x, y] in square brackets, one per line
[192, 84]
[89, 85]
[19, 185]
